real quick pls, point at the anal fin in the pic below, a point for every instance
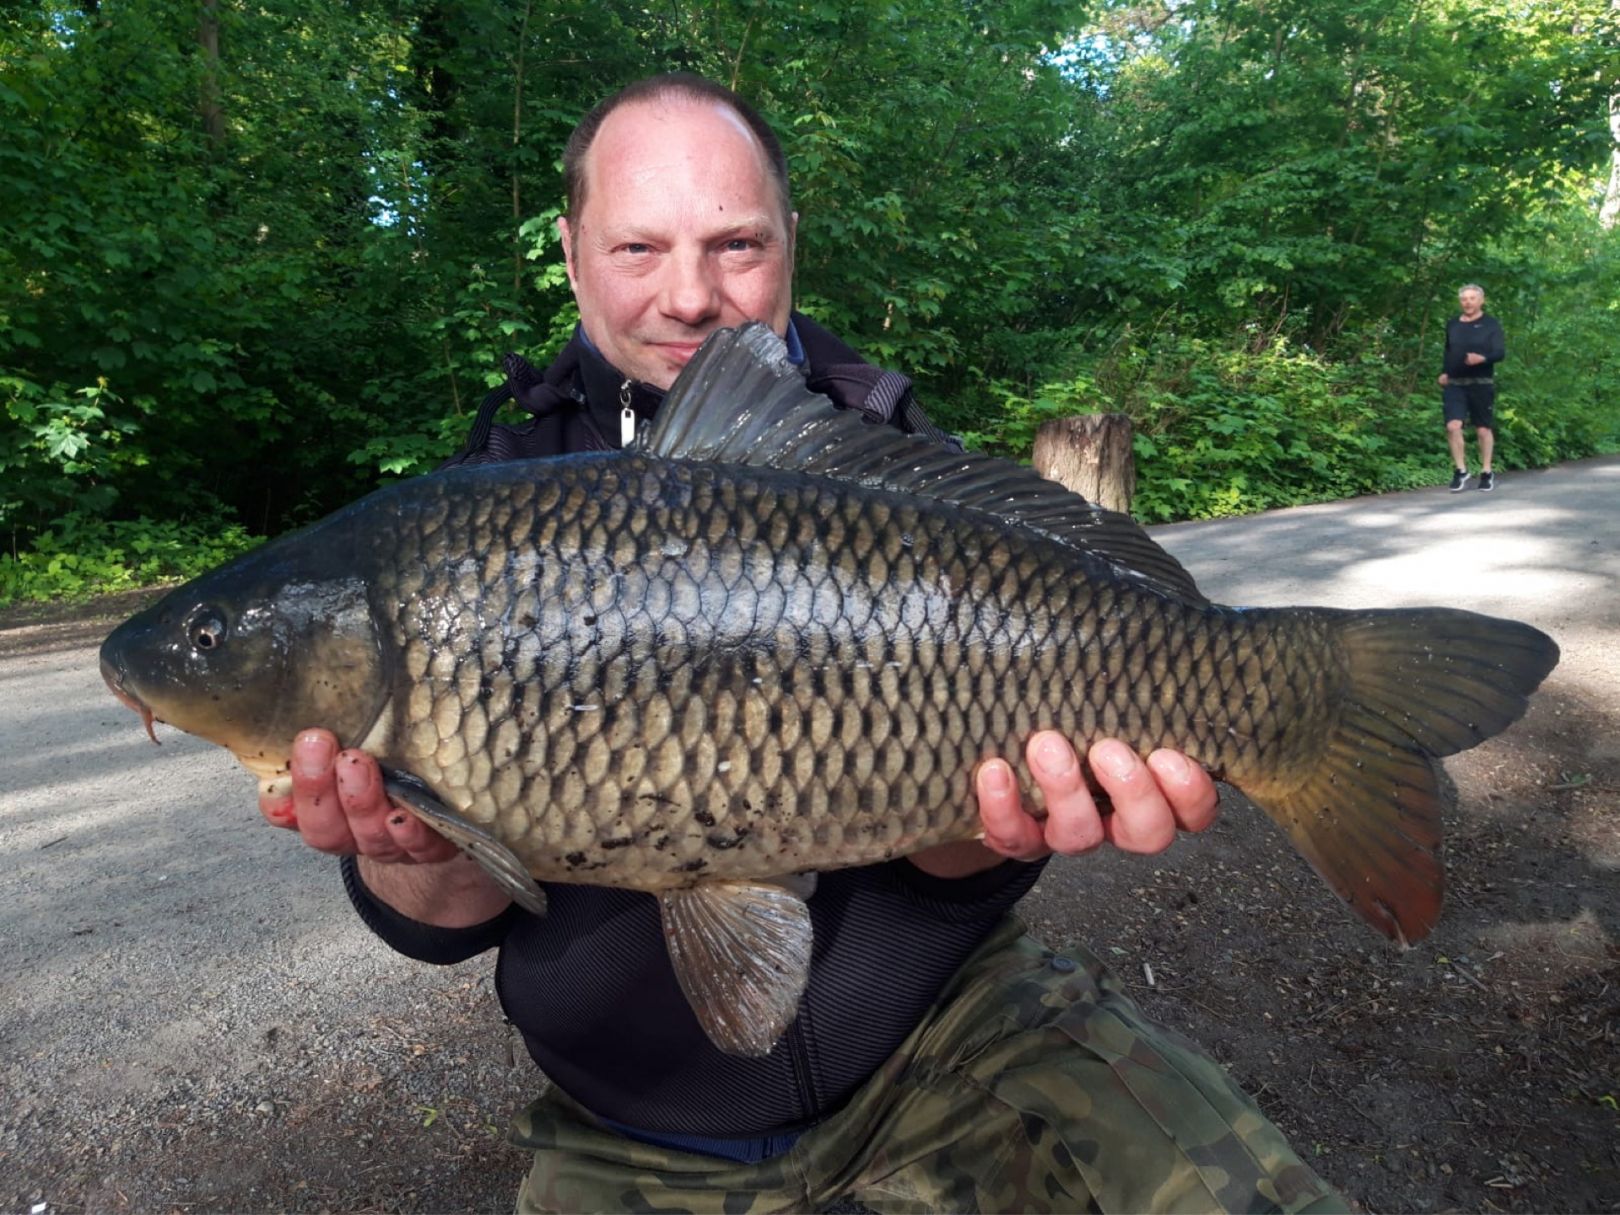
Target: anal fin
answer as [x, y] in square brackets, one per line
[741, 951]
[495, 857]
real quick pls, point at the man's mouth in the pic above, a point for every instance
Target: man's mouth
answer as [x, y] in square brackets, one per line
[681, 352]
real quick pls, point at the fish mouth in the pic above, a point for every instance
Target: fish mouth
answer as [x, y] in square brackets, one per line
[115, 682]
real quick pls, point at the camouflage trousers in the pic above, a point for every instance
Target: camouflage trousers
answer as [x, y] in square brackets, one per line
[1034, 1084]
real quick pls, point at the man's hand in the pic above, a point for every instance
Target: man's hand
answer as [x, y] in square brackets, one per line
[339, 806]
[1473, 360]
[1444, 379]
[1151, 802]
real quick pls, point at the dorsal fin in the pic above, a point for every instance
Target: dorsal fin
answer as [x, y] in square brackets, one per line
[739, 401]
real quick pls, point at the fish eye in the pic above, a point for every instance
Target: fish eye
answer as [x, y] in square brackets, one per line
[206, 629]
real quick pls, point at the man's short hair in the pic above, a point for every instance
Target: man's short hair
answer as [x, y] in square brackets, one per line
[684, 85]
[1472, 287]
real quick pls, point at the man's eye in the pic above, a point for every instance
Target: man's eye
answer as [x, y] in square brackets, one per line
[635, 248]
[740, 244]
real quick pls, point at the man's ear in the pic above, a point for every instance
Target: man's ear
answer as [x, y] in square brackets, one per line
[567, 237]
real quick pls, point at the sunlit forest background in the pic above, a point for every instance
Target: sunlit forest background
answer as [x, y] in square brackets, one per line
[257, 258]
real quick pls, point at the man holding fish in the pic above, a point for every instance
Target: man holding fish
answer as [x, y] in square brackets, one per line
[940, 1057]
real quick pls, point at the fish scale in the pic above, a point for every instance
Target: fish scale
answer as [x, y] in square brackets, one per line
[701, 698]
[774, 639]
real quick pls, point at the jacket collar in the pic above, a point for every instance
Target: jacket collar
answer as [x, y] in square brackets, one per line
[607, 391]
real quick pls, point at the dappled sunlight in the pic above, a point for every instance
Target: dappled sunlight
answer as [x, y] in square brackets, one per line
[1537, 558]
[1428, 547]
[54, 773]
[122, 890]
[113, 844]
[111, 905]
[1563, 949]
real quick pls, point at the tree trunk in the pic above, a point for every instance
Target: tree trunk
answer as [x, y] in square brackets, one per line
[1610, 213]
[213, 116]
[517, 141]
[1091, 455]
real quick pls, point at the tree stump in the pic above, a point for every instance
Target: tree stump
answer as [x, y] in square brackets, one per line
[1091, 455]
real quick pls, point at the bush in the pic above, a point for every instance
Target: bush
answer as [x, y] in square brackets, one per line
[1242, 426]
[83, 556]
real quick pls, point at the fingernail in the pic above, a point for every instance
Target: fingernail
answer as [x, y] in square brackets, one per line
[997, 776]
[1054, 755]
[353, 775]
[1115, 758]
[312, 753]
[1174, 765]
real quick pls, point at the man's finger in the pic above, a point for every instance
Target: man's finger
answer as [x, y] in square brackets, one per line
[1073, 824]
[278, 810]
[321, 820]
[383, 831]
[417, 840]
[366, 806]
[1142, 820]
[1189, 789]
[1007, 829]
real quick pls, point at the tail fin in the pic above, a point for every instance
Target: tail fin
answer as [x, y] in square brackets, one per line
[1420, 684]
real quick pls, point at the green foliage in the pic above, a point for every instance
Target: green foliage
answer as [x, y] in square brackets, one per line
[1560, 302]
[1325, 166]
[1225, 432]
[82, 555]
[1222, 431]
[62, 448]
[246, 286]
[1225, 428]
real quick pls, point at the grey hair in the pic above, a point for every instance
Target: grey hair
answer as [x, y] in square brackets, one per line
[1472, 287]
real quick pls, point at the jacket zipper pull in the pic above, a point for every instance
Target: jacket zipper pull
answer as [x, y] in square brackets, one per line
[627, 417]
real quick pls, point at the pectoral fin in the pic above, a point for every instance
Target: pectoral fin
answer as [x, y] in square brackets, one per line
[741, 951]
[495, 857]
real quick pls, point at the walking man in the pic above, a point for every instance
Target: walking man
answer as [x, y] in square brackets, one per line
[1474, 346]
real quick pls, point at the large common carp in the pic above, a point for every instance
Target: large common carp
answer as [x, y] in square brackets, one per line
[772, 639]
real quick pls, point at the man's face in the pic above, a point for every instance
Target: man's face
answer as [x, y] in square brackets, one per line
[1472, 303]
[681, 233]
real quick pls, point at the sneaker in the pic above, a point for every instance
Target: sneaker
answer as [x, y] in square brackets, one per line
[1487, 481]
[1459, 480]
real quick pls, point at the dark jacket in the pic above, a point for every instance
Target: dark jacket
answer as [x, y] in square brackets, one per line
[1463, 338]
[590, 986]
[577, 401]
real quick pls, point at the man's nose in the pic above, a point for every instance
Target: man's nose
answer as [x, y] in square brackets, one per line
[691, 291]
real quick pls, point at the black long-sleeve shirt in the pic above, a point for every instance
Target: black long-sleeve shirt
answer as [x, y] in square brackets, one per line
[1482, 336]
[592, 991]
[590, 985]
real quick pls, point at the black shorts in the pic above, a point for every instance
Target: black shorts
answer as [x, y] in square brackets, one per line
[1476, 402]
